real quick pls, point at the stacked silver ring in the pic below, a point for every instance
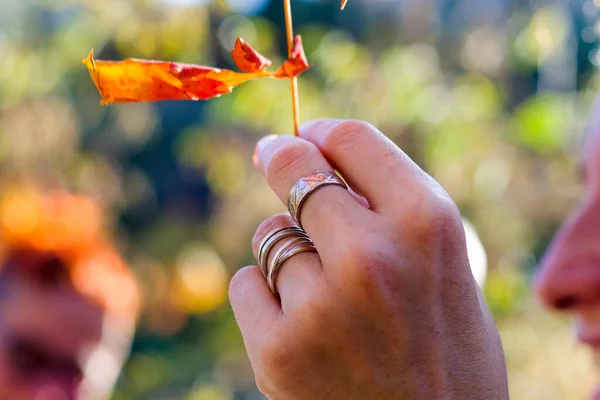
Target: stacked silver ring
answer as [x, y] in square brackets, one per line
[299, 243]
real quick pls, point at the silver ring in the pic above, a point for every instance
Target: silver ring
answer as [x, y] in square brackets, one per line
[292, 247]
[305, 186]
[266, 245]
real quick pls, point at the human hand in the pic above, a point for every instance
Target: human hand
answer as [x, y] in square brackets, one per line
[388, 308]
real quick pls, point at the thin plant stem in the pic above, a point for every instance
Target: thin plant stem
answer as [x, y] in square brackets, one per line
[290, 39]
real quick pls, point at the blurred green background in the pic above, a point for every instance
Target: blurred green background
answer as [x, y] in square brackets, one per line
[489, 96]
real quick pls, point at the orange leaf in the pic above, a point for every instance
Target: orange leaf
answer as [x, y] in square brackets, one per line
[296, 64]
[343, 4]
[247, 59]
[134, 80]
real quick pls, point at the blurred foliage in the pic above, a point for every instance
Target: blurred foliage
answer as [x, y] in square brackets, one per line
[489, 96]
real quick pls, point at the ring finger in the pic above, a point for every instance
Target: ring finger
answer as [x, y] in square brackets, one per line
[299, 273]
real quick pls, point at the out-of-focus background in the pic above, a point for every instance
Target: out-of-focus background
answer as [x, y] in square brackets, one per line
[489, 96]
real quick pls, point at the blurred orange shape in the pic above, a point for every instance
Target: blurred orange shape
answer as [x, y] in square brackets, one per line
[59, 222]
[35, 225]
[343, 4]
[297, 63]
[20, 214]
[103, 276]
[247, 59]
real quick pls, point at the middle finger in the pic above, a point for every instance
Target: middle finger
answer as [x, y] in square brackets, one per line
[296, 275]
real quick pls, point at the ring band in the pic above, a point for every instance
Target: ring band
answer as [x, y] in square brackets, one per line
[307, 185]
[271, 239]
[292, 247]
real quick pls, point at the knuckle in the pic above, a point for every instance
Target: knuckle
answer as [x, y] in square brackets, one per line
[361, 250]
[448, 212]
[314, 315]
[441, 211]
[287, 159]
[276, 355]
[368, 261]
[346, 132]
[436, 215]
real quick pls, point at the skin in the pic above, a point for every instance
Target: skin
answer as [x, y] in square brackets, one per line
[389, 308]
[568, 279]
[54, 344]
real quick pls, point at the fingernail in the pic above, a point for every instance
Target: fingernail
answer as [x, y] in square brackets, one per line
[260, 147]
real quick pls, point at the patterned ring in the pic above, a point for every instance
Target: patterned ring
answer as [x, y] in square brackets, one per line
[307, 185]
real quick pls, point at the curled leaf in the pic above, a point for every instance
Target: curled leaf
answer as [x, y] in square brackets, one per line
[297, 63]
[136, 80]
[247, 59]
